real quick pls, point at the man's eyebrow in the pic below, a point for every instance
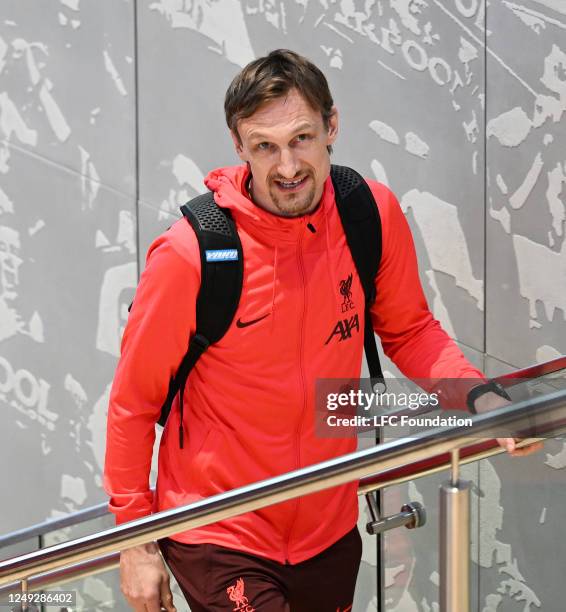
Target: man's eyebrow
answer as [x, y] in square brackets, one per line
[257, 136]
[303, 127]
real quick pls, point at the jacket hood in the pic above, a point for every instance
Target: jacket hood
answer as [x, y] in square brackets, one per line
[229, 187]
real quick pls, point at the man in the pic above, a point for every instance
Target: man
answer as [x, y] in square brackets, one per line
[250, 398]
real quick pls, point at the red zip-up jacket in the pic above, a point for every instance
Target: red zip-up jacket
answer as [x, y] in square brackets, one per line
[249, 401]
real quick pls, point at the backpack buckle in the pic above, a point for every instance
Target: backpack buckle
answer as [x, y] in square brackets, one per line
[201, 342]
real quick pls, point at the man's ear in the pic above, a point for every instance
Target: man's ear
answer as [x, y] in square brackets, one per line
[333, 126]
[238, 145]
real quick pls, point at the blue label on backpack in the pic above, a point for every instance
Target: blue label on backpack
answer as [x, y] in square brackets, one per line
[222, 255]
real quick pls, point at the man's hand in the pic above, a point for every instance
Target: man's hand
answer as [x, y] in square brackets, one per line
[490, 401]
[144, 579]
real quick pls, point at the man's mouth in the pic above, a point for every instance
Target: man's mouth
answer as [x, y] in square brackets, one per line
[290, 186]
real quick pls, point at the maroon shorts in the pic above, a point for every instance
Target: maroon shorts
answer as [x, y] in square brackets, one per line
[216, 578]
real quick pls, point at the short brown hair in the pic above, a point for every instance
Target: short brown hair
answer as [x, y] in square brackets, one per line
[272, 77]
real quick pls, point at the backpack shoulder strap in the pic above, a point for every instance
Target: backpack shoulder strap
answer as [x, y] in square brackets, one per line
[222, 268]
[362, 226]
[222, 271]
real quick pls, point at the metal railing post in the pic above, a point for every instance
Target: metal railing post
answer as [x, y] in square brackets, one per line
[455, 542]
[374, 506]
[25, 590]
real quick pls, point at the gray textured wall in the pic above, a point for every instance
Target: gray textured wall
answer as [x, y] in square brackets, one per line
[110, 114]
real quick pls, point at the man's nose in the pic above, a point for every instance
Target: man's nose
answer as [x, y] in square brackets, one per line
[288, 165]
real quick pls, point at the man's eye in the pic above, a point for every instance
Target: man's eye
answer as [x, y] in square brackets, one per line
[303, 137]
[263, 146]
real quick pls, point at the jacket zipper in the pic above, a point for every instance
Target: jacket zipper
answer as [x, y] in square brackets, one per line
[303, 392]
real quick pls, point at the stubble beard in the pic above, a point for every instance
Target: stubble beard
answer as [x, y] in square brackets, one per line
[293, 205]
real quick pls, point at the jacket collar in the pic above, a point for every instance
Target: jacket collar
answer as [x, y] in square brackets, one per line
[230, 191]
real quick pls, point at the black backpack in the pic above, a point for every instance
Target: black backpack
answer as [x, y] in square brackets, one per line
[222, 269]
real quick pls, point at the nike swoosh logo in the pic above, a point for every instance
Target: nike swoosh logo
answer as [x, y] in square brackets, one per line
[240, 323]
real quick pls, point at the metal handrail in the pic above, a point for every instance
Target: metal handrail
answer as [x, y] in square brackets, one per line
[50, 525]
[531, 418]
[419, 469]
[533, 371]
[435, 464]
[424, 467]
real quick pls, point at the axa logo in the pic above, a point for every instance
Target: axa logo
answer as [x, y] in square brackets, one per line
[236, 594]
[346, 293]
[344, 328]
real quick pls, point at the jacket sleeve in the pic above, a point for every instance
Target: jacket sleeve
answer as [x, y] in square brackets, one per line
[410, 335]
[154, 342]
